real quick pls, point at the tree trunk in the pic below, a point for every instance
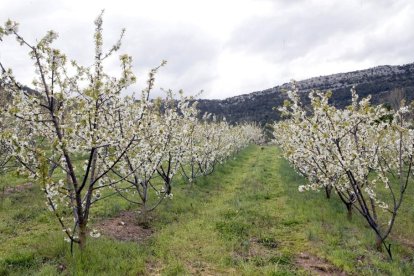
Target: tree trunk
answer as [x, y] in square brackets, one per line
[328, 190]
[349, 211]
[82, 235]
[374, 212]
[378, 243]
[143, 220]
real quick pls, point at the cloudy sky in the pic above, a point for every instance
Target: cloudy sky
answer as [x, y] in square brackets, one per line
[224, 47]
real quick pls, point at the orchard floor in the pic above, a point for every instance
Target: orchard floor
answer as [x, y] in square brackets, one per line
[247, 218]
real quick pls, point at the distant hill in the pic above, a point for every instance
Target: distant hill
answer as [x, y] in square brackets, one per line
[258, 106]
[6, 97]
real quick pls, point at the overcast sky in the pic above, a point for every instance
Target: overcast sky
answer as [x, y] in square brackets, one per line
[224, 47]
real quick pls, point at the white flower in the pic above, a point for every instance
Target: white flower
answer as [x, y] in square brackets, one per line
[95, 234]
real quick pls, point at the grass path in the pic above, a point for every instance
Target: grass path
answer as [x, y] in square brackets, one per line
[247, 218]
[234, 228]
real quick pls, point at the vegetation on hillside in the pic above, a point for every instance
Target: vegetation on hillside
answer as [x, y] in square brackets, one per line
[258, 106]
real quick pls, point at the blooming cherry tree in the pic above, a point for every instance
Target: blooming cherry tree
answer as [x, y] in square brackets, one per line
[364, 152]
[72, 141]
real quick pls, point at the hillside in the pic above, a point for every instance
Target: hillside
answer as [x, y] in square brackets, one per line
[379, 82]
[258, 106]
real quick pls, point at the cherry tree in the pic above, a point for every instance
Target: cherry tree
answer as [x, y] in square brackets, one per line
[207, 146]
[73, 139]
[245, 134]
[211, 142]
[364, 152]
[5, 149]
[146, 172]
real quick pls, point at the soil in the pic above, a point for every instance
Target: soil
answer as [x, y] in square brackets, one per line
[17, 189]
[124, 227]
[255, 248]
[316, 266]
[404, 241]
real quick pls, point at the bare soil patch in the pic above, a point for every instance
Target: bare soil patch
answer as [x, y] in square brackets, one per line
[256, 250]
[204, 269]
[124, 227]
[247, 252]
[316, 266]
[153, 268]
[404, 241]
[16, 189]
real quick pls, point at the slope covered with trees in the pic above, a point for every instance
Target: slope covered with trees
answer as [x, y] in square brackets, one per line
[380, 82]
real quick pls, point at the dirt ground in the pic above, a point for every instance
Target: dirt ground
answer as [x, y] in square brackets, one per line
[316, 266]
[124, 227]
[17, 189]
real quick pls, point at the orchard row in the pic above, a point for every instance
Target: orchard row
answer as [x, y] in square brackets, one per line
[363, 153]
[83, 140]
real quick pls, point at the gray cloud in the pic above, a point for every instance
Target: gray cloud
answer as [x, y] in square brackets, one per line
[297, 30]
[190, 54]
[225, 48]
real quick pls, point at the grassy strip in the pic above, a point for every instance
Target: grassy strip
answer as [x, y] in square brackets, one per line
[245, 219]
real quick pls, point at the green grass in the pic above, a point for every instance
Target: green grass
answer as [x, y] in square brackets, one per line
[11, 179]
[247, 218]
